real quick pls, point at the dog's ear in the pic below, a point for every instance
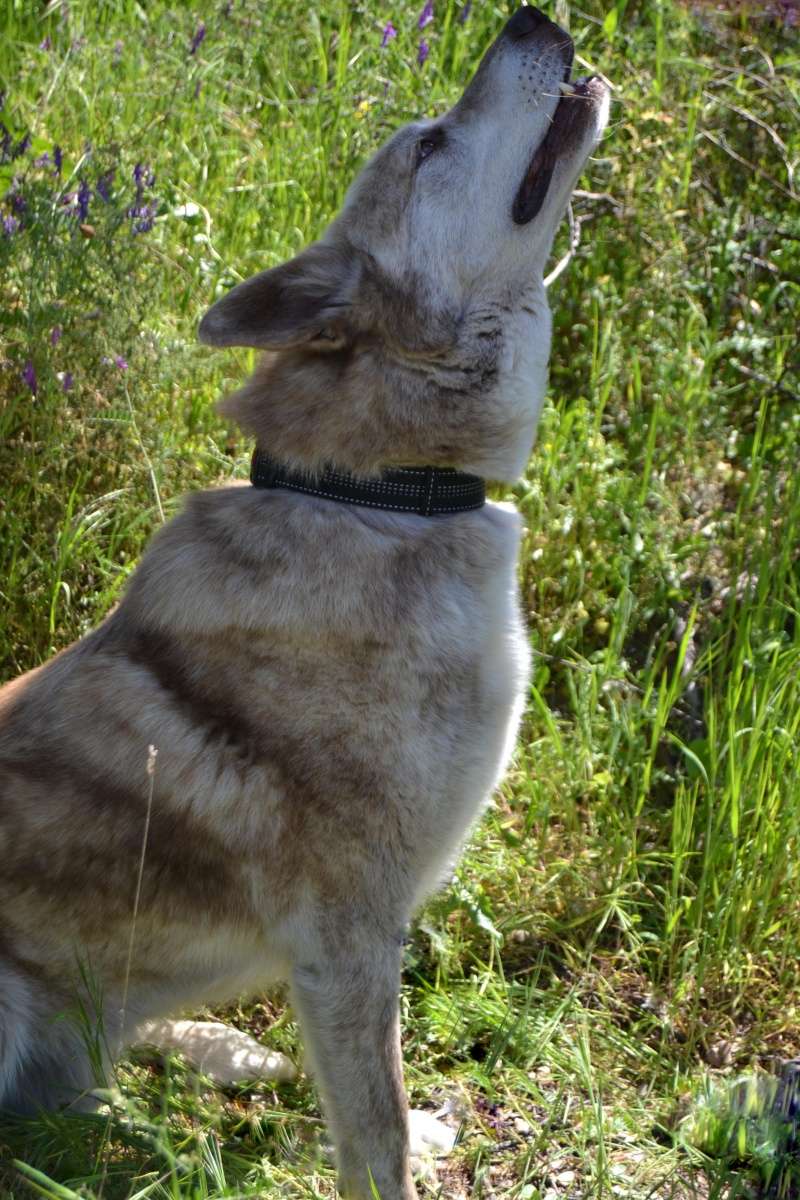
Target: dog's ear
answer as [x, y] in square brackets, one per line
[304, 301]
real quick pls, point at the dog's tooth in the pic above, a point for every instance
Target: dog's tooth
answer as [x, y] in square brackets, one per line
[568, 89]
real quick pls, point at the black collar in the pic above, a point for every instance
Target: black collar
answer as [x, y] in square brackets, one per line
[427, 491]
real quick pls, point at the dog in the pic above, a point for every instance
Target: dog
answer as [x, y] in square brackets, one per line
[270, 752]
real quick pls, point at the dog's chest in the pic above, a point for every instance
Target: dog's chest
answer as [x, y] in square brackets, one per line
[374, 667]
[403, 702]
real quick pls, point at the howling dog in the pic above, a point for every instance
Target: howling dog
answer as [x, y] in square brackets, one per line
[328, 661]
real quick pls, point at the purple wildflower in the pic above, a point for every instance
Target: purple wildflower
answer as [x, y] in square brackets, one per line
[118, 48]
[143, 177]
[120, 362]
[199, 34]
[46, 44]
[67, 381]
[42, 160]
[423, 52]
[82, 200]
[10, 225]
[389, 32]
[144, 216]
[462, 16]
[55, 335]
[29, 376]
[426, 16]
[5, 145]
[21, 146]
[17, 202]
[103, 186]
[58, 158]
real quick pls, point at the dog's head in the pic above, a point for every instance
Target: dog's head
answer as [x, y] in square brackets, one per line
[413, 297]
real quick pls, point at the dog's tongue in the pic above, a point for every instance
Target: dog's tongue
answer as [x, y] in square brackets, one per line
[536, 180]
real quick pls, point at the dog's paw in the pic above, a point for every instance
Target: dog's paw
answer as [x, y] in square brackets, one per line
[428, 1137]
[227, 1056]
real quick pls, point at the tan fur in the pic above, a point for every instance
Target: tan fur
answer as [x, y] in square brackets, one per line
[332, 691]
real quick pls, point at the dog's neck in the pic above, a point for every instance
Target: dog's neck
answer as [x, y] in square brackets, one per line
[367, 407]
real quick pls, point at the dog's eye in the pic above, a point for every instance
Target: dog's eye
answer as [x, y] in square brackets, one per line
[427, 144]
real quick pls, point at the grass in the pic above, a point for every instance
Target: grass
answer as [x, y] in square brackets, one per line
[620, 942]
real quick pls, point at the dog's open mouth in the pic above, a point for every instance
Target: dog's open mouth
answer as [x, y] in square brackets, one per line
[569, 122]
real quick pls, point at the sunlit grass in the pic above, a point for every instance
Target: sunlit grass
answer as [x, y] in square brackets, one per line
[621, 938]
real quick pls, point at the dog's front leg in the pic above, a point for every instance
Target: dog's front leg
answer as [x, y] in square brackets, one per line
[347, 1002]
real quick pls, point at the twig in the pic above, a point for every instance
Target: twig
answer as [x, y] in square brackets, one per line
[151, 772]
[574, 242]
[723, 145]
[605, 197]
[748, 116]
[760, 262]
[146, 456]
[775, 385]
[575, 229]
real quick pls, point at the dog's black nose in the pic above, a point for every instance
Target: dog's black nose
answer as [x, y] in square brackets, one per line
[525, 21]
[530, 21]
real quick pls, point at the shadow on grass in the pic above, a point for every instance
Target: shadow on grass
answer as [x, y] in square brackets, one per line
[180, 1141]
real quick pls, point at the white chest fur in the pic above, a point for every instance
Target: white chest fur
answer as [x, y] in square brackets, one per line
[488, 681]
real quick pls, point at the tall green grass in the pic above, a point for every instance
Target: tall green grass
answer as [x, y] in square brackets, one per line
[622, 934]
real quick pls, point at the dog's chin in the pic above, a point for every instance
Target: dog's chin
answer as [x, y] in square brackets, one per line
[577, 123]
